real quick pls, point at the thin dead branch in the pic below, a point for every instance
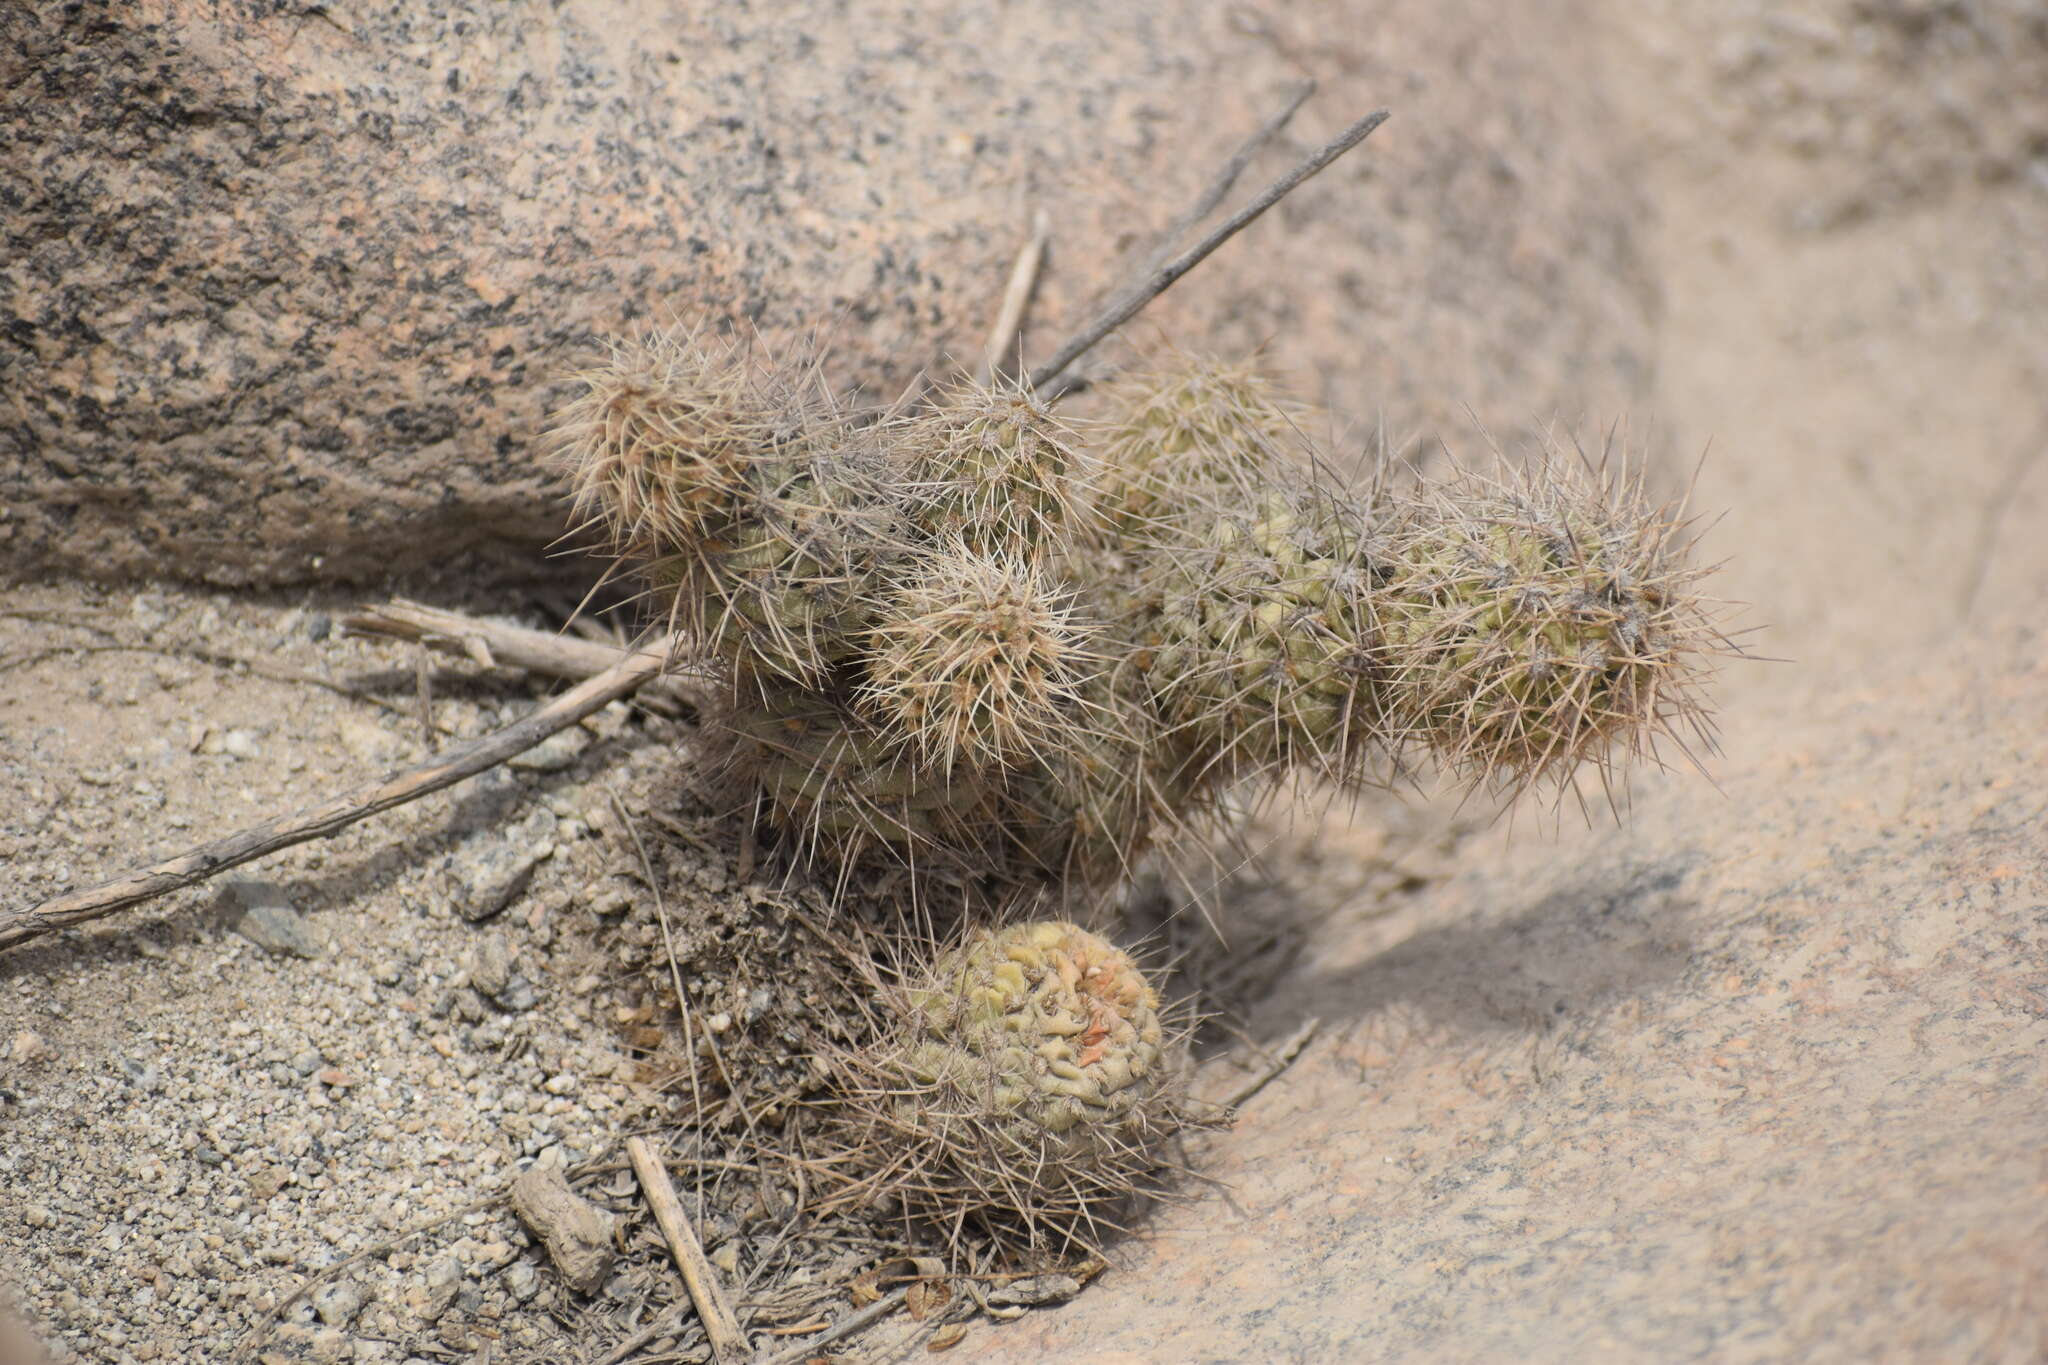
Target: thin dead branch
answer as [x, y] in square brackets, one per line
[331, 817]
[1226, 179]
[1127, 305]
[728, 1342]
[1010, 318]
[1276, 1063]
[492, 644]
[846, 1326]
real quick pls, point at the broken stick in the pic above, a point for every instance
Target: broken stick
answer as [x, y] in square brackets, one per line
[846, 1326]
[333, 816]
[1156, 282]
[728, 1342]
[1010, 318]
[495, 644]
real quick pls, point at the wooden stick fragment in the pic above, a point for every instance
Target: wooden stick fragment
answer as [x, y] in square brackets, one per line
[728, 1342]
[1226, 179]
[1281, 1059]
[846, 1326]
[338, 813]
[1023, 279]
[494, 643]
[1127, 305]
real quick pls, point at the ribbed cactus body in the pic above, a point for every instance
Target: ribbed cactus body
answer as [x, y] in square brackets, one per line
[784, 582]
[1261, 640]
[973, 660]
[1041, 1034]
[1530, 624]
[991, 468]
[662, 443]
[1023, 1086]
[1194, 433]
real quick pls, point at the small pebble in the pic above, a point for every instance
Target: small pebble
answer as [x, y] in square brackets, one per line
[141, 1075]
[554, 753]
[444, 1278]
[240, 744]
[490, 965]
[261, 913]
[490, 874]
[522, 1281]
[338, 1303]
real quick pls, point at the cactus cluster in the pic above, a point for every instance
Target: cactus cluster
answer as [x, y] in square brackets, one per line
[985, 638]
[989, 639]
[1022, 1096]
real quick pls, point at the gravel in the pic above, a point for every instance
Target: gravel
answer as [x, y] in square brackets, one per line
[207, 1106]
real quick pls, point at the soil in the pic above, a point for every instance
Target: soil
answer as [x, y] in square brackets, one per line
[1752, 1070]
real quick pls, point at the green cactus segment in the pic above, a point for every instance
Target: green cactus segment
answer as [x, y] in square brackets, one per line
[1263, 640]
[973, 661]
[783, 584]
[1045, 1034]
[1197, 434]
[1533, 624]
[992, 468]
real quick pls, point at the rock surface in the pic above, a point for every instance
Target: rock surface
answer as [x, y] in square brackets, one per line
[287, 293]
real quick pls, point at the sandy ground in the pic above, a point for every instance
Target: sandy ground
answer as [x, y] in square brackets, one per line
[1754, 1073]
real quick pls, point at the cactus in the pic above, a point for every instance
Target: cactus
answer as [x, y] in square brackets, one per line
[755, 510]
[993, 469]
[1024, 1085]
[974, 662]
[957, 636]
[1194, 429]
[659, 445]
[1536, 622]
[1018, 655]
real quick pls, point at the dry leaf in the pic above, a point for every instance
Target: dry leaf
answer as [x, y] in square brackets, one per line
[946, 1338]
[927, 1297]
[866, 1287]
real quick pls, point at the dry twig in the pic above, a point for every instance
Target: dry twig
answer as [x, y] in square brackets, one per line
[1282, 1058]
[1023, 279]
[846, 1326]
[333, 816]
[492, 644]
[1156, 282]
[728, 1342]
[1226, 179]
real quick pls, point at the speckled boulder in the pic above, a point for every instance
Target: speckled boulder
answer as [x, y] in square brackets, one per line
[286, 291]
